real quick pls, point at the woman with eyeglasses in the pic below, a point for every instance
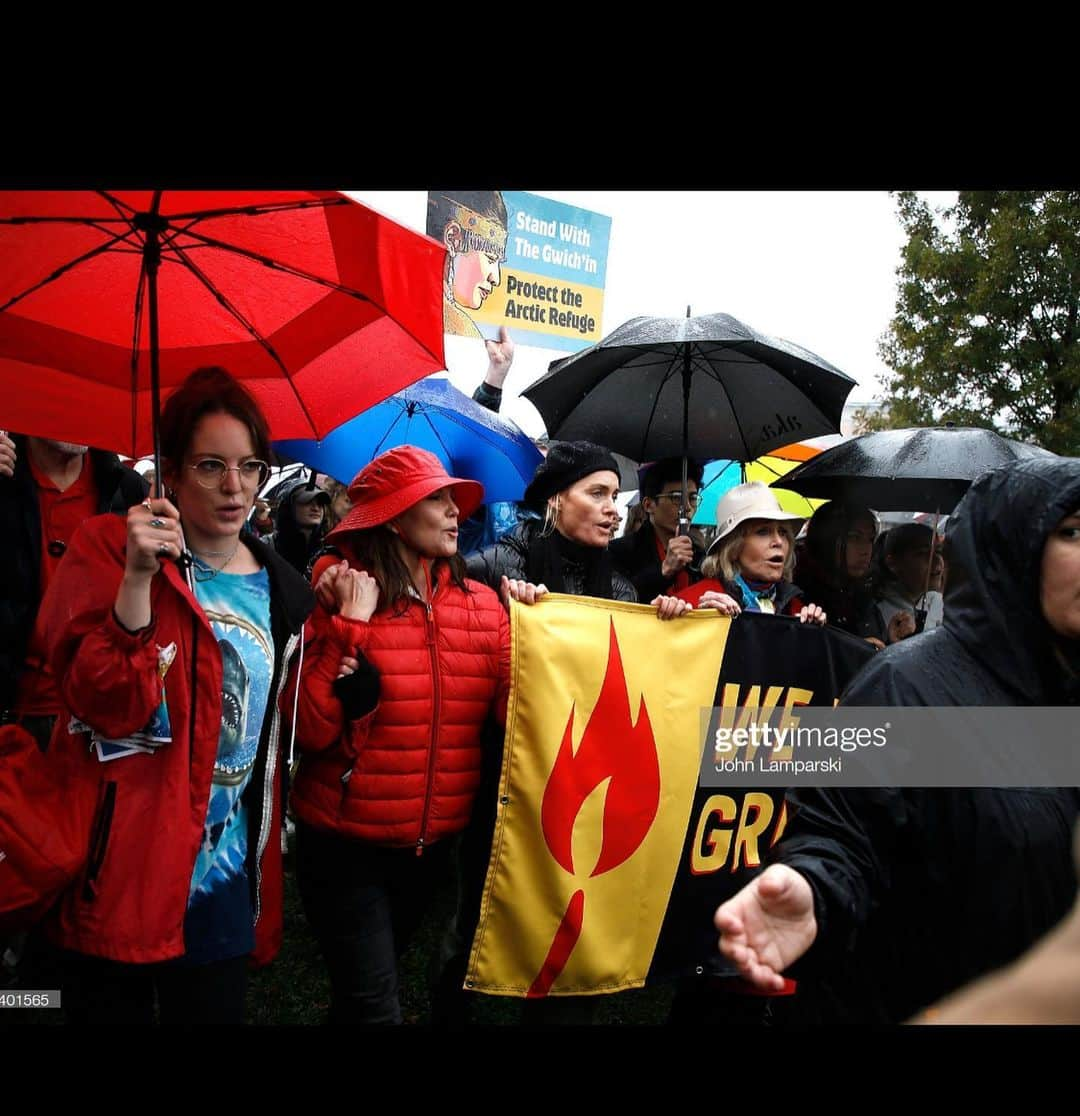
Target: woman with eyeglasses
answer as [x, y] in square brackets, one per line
[170, 673]
[662, 556]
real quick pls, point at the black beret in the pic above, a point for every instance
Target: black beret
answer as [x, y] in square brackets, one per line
[566, 462]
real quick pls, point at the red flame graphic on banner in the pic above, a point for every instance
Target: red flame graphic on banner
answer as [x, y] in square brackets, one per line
[611, 747]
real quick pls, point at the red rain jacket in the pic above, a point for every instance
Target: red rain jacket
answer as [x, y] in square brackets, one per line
[129, 903]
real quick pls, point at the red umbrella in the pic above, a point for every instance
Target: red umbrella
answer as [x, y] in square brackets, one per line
[321, 306]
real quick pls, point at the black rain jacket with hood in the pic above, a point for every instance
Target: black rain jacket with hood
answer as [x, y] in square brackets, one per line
[288, 539]
[918, 891]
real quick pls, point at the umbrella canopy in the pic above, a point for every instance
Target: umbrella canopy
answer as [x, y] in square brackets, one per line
[919, 469]
[470, 440]
[704, 386]
[320, 306]
[720, 476]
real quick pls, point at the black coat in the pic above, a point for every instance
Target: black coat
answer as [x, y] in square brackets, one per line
[635, 556]
[288, 539]
[118, 488]
[850, 607]
[917, 891]
[510, 557]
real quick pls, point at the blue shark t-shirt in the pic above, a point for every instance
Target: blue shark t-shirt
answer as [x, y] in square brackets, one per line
[219, 922]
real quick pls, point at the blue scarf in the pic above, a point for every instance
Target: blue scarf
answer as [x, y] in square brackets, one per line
[753, 591]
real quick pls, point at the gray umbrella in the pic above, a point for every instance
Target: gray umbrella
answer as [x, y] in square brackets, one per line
[918, 469]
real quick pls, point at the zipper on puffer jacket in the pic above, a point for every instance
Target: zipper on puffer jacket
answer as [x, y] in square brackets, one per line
[271, 767]
[436, 700]
[99, 842]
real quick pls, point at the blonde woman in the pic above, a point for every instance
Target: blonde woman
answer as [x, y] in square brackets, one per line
[749, 565]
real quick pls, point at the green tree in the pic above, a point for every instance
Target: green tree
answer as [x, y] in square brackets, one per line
[986, 325]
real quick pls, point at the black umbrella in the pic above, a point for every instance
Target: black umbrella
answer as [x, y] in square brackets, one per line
[703, 387]
[921, 469]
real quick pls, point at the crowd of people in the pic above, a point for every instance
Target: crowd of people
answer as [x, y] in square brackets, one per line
[176, 652]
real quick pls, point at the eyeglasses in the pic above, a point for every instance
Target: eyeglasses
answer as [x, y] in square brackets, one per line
[692, 498]
[210, 472]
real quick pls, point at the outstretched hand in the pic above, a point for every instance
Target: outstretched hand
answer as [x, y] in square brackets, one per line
[768, 925]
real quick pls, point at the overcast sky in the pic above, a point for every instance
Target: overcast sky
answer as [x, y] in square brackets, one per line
[817, 268]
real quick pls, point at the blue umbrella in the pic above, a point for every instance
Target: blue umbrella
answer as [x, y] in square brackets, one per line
[470, 440]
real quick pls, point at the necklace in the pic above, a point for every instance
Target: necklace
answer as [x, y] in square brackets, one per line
[203, 571]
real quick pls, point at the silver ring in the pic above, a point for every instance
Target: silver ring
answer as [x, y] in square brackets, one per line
[149, 507]
[163, 548]
[157, 523]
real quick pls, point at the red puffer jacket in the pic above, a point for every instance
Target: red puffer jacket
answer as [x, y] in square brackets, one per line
[405, 773]
[129, 903]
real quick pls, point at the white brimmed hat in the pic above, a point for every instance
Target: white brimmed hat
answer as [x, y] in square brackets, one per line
[752, 500]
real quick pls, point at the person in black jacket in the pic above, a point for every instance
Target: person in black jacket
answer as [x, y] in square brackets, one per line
[832, 566]
[574, 488]
[906, 894]
[72, 482]
[655, 557]
[300, 523]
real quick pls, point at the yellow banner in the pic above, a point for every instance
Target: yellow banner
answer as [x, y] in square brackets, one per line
[600, 765]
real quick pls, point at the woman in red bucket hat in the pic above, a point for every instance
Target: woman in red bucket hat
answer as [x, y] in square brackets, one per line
[406, 661]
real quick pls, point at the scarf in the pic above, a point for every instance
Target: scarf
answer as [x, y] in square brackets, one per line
[551, 555]
[753, 591]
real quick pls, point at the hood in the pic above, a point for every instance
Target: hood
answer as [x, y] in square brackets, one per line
[289, 540]
[994, 545]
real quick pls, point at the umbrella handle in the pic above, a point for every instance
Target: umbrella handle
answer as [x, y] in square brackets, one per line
[930, 564]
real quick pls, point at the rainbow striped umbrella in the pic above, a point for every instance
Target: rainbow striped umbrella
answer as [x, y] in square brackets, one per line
[722, 475]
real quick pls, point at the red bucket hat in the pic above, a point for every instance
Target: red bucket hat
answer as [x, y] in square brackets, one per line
[396, 480]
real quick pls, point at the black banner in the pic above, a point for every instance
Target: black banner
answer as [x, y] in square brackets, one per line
[772, 662]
